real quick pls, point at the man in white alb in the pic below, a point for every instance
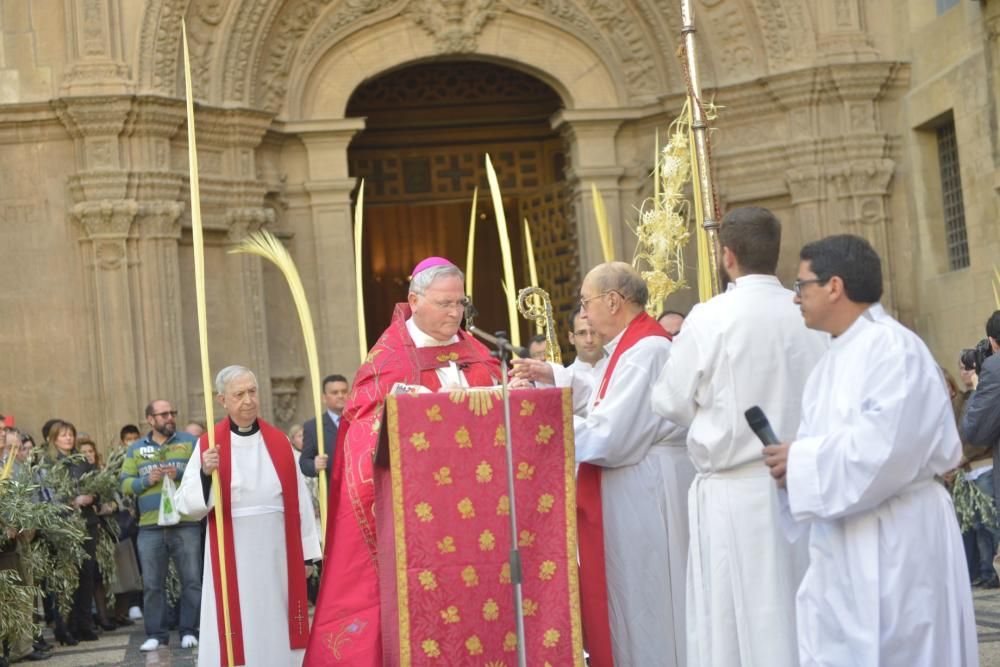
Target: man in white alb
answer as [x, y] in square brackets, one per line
[745, 347]
[270, 532]
[887, 582]
[584, 373]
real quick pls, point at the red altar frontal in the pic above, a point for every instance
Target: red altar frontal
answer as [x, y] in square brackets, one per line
[443, 527]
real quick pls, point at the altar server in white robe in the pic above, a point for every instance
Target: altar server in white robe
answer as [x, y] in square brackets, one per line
[633, 481]
[745, 347]
[270, 532]
[887, 582]
[584, 373]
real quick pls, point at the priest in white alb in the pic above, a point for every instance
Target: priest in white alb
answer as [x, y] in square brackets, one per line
[270, 533]
[584, 373]
[745, 347]
[887, 582]
[633, 481]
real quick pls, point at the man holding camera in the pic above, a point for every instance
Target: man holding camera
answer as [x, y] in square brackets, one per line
[981, 420]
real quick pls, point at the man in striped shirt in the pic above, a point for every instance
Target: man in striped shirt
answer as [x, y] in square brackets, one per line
[164, 452]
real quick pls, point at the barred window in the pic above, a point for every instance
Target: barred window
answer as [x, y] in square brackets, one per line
[956, 238]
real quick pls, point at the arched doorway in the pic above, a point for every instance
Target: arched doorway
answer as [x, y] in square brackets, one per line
[428, 127]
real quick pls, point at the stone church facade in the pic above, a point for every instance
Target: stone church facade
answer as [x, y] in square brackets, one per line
[874, 118]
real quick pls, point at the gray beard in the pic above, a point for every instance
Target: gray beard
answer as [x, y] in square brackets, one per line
[166, 431]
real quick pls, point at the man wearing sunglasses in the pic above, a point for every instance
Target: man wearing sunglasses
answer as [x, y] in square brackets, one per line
[163, 452]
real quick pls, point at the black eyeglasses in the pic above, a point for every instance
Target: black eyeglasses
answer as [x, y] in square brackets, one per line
[797, 285]
[164, 415]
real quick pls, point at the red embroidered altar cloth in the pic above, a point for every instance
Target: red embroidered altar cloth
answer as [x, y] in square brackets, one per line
[443, 527]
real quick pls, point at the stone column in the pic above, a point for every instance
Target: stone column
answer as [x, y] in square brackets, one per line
[94, 48]
[329, 189]
[106, 226]
[590, 138]
[157, 303]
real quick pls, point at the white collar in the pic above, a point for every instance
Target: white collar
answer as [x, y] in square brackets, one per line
[421, 339]
[610, 346]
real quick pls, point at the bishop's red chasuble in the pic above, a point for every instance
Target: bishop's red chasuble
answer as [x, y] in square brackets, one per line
[346, 626]
[444, 535]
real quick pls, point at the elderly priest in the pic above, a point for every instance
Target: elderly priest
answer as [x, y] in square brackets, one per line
[269, 529]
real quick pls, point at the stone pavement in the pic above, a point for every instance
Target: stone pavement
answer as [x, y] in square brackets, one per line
[120, 648]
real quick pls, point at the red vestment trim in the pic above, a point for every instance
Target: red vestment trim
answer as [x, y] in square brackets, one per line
[281, 455]
[590, 519]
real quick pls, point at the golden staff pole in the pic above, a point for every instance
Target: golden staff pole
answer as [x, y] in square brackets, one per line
[199, 281]
[700, 129]
[532, 271]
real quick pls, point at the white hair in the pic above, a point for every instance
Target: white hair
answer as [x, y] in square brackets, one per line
[230, 373]
[420, 282]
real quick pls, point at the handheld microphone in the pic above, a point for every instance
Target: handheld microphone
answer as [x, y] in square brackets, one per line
[759, 425]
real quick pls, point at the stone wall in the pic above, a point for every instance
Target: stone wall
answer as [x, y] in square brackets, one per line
[823, 106]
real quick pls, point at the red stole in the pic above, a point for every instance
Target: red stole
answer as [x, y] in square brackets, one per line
[590, 520]
[298, 605]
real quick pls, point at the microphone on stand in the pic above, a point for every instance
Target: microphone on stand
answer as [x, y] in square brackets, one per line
[759, 425]
[499, 340]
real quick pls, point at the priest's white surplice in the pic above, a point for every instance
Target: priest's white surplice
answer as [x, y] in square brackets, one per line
[644, 502]
[746, 347]
[887, 582]
[261, 561]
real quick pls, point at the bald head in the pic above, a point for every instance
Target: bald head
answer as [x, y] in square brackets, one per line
[622, 278]
[611, 296]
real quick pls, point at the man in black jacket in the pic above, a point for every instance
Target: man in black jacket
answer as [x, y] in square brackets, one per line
[981, 420]
[335, 389]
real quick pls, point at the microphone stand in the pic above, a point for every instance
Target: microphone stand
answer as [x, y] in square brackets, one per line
[504, 350]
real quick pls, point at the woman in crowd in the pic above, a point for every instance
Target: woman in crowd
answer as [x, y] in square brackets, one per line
[80, 625]
[87, 447]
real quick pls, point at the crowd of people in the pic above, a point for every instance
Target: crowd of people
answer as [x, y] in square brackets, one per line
[157, 562]
[762, 481]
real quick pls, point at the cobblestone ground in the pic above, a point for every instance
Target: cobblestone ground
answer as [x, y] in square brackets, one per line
[120, 648]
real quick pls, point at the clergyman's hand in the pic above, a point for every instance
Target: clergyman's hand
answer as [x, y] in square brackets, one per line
[533, 370]
[320, 461]
[210, 460]
[776, 458]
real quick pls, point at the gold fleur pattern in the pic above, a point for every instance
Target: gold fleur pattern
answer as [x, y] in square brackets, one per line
[525, 470]
[486, 541]
[466, 509]
[443, 476]
[544, 434]
[424, 512]
[510, 642]
[545, 503]
[431, 649]
[547, 570]
[530, 607]
[419, 442]
[447, 545]
[491, 610]
[505, 573]
[496, 663]
[434, 413]
[484, 472]
[551, 638]
[527, 538]
[503, 506]
[428, 580]
[474, 646]
[450, 615]
[470, 577]
[500, 439]
[527, 408]
[462, 438]
[451, 356]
